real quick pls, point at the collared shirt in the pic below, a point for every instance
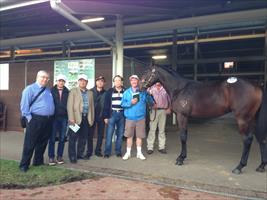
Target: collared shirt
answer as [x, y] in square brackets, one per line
[116, 99]
[85, 101]
[160, 96]
[44, 104]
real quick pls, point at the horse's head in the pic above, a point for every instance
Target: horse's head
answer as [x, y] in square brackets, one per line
[149, 78]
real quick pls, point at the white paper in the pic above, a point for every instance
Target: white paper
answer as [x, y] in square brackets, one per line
[74, 127]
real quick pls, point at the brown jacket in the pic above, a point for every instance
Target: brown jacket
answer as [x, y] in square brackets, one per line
[75, 106]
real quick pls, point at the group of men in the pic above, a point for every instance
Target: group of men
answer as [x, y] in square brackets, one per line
[57, 110]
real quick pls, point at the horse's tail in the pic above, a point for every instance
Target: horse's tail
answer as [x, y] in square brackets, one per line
[261, 127]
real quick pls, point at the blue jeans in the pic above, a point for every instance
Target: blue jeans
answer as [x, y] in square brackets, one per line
[117, 119]
[60, 126]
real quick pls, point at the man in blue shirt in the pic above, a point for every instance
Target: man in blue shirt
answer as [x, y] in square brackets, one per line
[134, 104]
[39, 120]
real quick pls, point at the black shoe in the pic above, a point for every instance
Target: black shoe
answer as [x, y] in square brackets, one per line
[149, 151]
[81, 157]
[73, 161]
[163, 151]
[119, 155]
[23, 169]
[106, 156]
[37, 164]
[99, 154]
[87, 157]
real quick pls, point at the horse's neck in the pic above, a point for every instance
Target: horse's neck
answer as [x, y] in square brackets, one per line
[172, 83]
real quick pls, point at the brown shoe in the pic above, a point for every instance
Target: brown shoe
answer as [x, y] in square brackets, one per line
[60, 161]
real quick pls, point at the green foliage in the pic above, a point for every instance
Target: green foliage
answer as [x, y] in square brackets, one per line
[12, 177]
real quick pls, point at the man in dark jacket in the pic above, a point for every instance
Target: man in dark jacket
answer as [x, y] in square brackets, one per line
[114, 117]
[99, 98]
[60, 95]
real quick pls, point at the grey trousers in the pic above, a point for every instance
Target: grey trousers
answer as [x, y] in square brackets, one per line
[159, 122]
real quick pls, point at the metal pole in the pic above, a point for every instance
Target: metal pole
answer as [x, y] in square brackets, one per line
[195, 55]
[174, 64]
[119, 45]
[62, 9]
[265, 69]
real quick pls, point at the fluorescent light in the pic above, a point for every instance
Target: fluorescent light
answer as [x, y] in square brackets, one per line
[228, 65]
[18, 5]
[96, 19]
[159, 57]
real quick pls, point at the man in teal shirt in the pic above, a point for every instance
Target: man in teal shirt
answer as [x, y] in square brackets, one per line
[134, 103]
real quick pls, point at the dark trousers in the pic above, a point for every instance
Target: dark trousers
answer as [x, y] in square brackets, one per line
[38, 131]
[77, 150]
[100, 125]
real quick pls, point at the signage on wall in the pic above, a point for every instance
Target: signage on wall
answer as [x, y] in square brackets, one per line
[4, 76]
[72, 68]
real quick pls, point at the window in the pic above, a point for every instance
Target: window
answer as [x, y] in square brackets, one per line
[4, 76]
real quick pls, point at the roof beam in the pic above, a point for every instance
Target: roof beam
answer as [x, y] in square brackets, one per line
[138, 29]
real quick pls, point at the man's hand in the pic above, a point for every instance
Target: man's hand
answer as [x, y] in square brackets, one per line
[71, 122]
[134, 101]
[168, 111]
[106, 121]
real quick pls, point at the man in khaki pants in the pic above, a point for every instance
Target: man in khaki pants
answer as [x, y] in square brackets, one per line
[158, 118]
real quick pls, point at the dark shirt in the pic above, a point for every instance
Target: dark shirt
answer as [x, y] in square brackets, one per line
[99, 98]
[60, 103]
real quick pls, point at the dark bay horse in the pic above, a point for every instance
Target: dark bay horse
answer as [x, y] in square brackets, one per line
[206, 100]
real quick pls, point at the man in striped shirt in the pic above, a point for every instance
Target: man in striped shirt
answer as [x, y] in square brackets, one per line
[113, 116]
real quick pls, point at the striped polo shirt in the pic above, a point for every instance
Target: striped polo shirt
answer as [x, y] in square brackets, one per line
[116, 100]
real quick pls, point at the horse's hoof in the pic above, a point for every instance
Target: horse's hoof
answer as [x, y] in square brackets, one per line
[179, 162]
[260, 169]
[236, 171]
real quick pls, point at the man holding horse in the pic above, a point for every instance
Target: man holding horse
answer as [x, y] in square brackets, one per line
[158, 118]
[134, 104]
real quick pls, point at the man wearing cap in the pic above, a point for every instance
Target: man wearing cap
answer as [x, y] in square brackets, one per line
[60, 95]
[80, 109]
[99, 98]
[134, 104]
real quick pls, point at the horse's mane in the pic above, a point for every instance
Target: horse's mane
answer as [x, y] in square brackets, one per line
[169, 70]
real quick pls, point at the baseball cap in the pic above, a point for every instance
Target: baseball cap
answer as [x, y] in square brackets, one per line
[100, 78]
[61, 77]
[82, 76]
[134, 76]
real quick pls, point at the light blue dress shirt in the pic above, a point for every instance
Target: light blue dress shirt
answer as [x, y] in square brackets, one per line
[44, 105]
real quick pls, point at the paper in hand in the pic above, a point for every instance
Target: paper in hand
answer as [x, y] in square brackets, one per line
[74, 127]
[136, 95]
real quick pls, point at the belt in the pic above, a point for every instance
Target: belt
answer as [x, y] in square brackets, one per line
[117, 110]
[84, 114]
[42, 116]
[161, 108]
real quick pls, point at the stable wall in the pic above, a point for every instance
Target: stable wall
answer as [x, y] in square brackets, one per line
[24, 73]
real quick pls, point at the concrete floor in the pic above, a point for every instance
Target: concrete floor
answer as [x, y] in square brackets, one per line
[214, 149]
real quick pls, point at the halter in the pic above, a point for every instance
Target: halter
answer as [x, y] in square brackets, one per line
[153, 75]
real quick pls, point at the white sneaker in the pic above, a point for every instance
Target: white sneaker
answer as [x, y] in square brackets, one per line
[126, 156]
[141, 156]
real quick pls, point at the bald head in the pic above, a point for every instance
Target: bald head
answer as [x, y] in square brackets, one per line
[42, 78]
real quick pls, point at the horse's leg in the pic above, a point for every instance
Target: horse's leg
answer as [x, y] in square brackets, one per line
[263, 149]
[244, 129]
[182, 121]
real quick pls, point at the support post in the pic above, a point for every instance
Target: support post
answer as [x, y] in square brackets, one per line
[174, 64]
[195, 55]
[119, 44]
[265, 68]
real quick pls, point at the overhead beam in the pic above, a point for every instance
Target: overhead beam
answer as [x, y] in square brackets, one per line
[135, 30]
[65, 11]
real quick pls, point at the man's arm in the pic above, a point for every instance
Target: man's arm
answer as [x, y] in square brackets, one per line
[25, 103]
[70, 103]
